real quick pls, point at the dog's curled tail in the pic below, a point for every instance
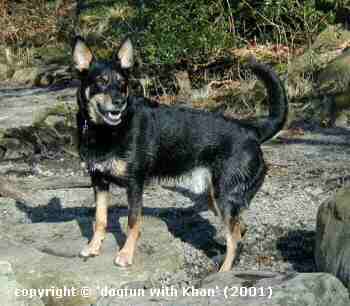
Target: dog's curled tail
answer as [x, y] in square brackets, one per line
[278, 103]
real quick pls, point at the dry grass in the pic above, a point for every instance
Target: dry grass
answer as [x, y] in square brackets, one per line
[35, 29]
[300, 86]
[122, 12]
[26, 21]
[273, 52]
[19, 56]
[97, 24]
[3, 7]
[31, 22]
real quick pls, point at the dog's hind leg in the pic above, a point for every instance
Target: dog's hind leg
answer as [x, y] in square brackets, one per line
[233, 227]
[212, 199]
[238, 183]
[125, 256]
[212, 205]
[233, 236]
[102, 197]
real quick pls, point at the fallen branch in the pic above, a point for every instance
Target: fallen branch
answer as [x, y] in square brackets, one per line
[54, 183]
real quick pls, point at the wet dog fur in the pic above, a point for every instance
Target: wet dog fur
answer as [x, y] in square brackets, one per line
[127, 140]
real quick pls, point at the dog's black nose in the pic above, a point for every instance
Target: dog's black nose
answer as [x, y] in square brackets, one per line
[115, 112]
[118, 102]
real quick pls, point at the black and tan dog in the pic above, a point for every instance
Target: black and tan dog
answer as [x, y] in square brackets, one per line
[127, 140]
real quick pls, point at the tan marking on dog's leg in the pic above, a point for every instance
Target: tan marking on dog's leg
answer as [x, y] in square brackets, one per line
[94, 246]
[125, 256]
[211, 200]
[244, 228]
[233, 236]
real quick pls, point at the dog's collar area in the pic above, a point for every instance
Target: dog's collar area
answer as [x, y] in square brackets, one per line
[85, 132]
[85, 127]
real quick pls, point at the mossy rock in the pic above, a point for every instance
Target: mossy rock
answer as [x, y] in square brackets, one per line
[332, 249]
[321, 51]
[6, 72]
[26, 75]
[335, 77]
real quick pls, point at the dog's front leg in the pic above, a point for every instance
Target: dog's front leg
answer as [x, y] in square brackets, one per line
[102, 198]
[125, 256]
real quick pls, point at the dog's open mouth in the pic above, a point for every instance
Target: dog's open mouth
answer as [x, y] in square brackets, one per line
[112, 118]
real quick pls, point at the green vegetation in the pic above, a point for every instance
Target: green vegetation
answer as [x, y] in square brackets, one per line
[172, 32]
[166, 31]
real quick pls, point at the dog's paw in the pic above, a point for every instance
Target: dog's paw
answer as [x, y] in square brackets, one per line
[123, 259]
[217, 261]
[89, 251]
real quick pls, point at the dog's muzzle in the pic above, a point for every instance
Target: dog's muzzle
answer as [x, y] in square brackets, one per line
[112, 114]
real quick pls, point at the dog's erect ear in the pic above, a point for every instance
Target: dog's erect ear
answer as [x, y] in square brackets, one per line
[125, 54]
[82, 55]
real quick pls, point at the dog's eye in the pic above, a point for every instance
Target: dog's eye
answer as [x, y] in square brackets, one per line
[123, 84]
[102, 80]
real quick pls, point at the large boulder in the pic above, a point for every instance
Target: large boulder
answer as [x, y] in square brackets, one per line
[332, 249]
[335, 77]
[333, 83]
[326, 47]
[321, 76]
[248, 289]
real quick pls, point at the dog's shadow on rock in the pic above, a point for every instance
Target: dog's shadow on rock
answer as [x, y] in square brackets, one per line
[297, 247]
[54, 212]
[184, 223]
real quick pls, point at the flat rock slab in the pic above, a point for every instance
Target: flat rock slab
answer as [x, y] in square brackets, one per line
[22, 107]
[46, 254]
[248, 289]
[9, 289]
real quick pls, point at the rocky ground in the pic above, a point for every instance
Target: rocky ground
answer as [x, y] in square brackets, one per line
[181, 240]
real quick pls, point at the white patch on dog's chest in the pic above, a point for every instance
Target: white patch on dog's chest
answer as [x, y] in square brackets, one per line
[197, 180]
[114, 167]
[119, 167]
